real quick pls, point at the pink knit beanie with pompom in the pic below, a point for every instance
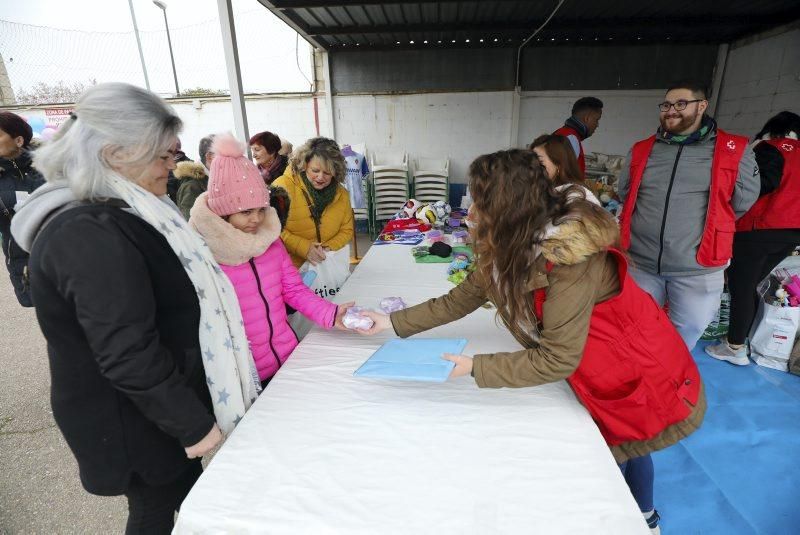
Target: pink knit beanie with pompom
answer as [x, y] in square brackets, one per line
[234, 184]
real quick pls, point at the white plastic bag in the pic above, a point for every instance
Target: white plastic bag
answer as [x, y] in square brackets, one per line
[331, 274]
[773, 335]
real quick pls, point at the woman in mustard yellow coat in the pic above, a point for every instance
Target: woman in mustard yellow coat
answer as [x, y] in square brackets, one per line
[320, 217]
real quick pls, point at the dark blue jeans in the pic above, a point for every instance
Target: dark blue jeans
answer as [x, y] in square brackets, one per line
[639, 476]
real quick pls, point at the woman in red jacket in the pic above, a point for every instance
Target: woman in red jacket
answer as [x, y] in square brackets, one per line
[767, 233]
[546, 258]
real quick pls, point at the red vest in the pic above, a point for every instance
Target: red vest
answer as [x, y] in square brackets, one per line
[779, 209]
[636, 376]
[716, 245]
[569, 131]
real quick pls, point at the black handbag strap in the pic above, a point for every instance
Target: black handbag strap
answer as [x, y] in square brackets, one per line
[311, 211]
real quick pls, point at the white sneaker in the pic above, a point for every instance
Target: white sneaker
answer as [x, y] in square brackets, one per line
[723, 351]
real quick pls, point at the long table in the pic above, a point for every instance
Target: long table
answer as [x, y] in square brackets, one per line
[324, 452]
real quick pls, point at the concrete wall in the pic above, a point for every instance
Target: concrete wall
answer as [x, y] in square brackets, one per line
[459, 125]
[466, 125]
[762, 77]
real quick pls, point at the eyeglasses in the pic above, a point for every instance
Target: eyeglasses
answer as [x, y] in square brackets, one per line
[679, 105]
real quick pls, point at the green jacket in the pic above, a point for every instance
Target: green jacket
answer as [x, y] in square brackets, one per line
[194, 181]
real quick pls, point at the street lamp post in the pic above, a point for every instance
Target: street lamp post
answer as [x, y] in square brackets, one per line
[139, 45]
[163, 7]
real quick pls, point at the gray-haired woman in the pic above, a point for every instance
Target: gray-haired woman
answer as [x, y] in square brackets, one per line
[133, 307]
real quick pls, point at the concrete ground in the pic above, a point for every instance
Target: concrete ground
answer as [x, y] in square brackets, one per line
[39, 487]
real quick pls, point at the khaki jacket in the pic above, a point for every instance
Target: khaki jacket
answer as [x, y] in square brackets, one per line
[583, 275]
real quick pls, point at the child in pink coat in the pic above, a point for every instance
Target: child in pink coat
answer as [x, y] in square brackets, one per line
[243, 232]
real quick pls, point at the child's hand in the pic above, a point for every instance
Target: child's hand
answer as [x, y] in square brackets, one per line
[463, 364]
[341, 310]
[381, 322]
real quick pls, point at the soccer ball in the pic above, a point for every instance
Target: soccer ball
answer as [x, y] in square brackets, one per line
[442, 210]
[410, 209]
[427, 214]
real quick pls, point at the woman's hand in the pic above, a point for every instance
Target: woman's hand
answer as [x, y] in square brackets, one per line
[463, 364]
[381, 322]
[208, 443]
[341, 310]
[316, 254]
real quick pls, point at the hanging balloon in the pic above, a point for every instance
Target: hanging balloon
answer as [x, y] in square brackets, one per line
[48, 133]
[37, 125]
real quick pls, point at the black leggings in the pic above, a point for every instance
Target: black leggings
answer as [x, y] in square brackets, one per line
[151, 508]
[755, 255]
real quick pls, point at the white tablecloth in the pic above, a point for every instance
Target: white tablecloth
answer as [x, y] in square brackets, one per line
[324, 452]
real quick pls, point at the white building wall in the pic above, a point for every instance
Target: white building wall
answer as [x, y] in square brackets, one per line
[761, 79]
[460, 126]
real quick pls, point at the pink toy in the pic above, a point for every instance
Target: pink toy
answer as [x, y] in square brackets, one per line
[354, 320]
[392, 304]
[793, 287]
[435, 235]
[460, 236]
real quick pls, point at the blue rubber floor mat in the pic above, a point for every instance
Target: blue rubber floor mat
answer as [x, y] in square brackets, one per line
[740, 472]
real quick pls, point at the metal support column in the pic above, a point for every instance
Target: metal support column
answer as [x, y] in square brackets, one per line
[234, 73]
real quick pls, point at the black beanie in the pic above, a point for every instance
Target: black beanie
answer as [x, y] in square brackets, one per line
[440, 249]
[15, 126]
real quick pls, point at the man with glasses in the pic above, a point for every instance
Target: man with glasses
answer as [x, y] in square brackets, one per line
[683, 190]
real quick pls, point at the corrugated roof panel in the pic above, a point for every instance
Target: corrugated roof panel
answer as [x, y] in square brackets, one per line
[382, 23]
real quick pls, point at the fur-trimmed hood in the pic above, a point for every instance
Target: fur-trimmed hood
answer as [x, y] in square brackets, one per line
[229, 245]
[575, 241]
[190, 170]
[572, 242]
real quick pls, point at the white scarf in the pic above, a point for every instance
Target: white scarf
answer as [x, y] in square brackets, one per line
[230, 371]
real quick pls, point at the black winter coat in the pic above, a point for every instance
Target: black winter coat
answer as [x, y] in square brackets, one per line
[16, 175]
[121, 319]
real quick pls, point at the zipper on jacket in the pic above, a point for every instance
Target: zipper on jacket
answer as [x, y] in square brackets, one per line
[266, 307]
[666, 208]
[19, 171]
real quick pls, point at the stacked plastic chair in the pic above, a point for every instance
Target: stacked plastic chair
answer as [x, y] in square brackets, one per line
[389, 185]
[431, 179]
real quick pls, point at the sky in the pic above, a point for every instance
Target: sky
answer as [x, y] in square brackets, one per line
[83, 40]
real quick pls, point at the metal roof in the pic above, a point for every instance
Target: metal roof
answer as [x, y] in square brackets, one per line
[384, 24]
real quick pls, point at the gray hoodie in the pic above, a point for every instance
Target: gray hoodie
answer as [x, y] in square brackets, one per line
[667, 223]
[36, 209]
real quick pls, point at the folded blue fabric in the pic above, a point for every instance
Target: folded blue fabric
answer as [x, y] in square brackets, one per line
[412, 359]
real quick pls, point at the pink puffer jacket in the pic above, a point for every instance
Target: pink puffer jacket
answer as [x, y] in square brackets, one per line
[264, 280]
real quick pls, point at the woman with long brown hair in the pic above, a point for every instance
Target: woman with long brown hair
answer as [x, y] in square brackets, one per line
[547, 259]
[558, 159]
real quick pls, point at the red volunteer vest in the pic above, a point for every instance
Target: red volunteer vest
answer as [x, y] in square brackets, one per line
[716, 245]
[567, 131]
[779, 209]
[636, 377]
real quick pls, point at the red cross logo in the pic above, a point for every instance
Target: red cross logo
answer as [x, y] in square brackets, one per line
[787, 147]
[732, 144]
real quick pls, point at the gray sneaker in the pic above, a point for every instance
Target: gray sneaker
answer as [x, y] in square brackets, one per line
[723, 351]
